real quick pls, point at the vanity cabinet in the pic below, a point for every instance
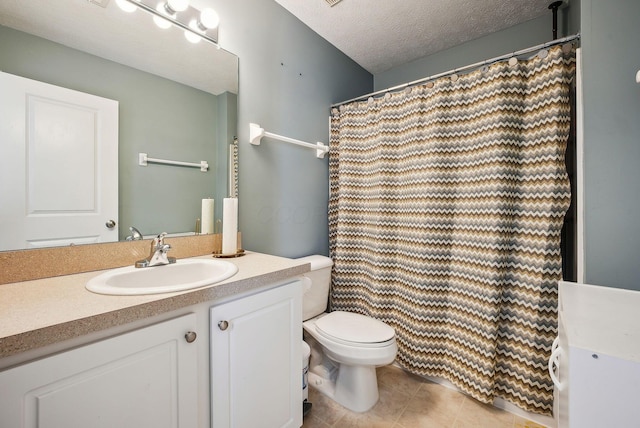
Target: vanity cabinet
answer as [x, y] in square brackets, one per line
[256, 360]
[243, 369]
[144, 378]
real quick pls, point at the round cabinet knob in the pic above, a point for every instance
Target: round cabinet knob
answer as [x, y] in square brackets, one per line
[110, 224]
[223, 325]
[190, 336]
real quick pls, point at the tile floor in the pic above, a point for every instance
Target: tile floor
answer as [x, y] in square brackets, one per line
[408, 401]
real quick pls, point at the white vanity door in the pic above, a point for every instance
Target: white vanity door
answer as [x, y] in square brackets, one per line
[256, 360]
[143, 379]
[58, 165]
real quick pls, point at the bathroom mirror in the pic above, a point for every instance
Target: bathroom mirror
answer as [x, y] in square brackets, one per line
[177, 100]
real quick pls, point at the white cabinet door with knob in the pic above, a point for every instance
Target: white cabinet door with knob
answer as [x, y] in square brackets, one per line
[256, 360]
[144, 378]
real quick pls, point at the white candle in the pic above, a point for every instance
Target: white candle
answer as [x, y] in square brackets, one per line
[230, 226]
[206, 218]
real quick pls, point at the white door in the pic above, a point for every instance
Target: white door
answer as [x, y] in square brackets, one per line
[58, 165]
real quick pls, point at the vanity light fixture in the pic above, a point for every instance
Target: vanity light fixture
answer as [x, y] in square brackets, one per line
[126, 6]
[174, 6]
[169, 8]
[166, 13]
[208, 20]
[160, 21]
[191, 35]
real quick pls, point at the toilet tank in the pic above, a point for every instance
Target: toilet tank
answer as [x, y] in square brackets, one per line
[315, 299]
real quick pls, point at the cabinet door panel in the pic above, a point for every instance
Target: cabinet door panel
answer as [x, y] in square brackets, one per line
[145, 378]
[145, 382]
[257, 360]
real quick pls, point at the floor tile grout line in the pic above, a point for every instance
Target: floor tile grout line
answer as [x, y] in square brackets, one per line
[404, 409]
[406, 406]
[459, 410]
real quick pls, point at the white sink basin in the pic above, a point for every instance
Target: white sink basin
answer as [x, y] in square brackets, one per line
[179, 276]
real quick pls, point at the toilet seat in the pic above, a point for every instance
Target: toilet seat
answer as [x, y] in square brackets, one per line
[355, 329]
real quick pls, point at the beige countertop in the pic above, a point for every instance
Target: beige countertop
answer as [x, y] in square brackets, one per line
[41, 312]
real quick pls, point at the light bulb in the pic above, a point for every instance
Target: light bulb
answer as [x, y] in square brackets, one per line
[162, 23]
[177, 5]
[209, 19]
[193, 38]
[126, 6]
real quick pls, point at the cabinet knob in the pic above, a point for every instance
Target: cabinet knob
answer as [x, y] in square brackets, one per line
[110, 224]
[190, 336]
[223, 325]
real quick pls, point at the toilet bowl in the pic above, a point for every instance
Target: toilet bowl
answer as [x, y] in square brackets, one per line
[346, 369]
[346, 347]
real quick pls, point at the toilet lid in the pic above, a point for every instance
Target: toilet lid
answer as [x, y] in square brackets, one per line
[351, 327]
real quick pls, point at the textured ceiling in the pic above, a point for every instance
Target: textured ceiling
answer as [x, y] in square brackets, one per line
[380, 35]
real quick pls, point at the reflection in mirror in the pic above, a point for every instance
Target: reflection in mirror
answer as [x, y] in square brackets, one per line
[176, 100]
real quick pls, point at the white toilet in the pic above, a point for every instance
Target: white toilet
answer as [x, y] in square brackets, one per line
[346, 347]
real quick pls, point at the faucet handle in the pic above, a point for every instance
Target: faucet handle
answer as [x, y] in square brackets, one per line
[159, 240]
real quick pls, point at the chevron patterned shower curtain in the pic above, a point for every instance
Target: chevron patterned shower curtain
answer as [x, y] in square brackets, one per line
[445, 211]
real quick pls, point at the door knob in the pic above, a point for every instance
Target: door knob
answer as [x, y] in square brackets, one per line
[223, 325]
[110, 224]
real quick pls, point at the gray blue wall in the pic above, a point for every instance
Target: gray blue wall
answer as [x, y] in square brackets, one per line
[611, 57]
[289, 77]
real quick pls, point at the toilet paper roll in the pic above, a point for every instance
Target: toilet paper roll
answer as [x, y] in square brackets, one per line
[230, 226]
[206, 217]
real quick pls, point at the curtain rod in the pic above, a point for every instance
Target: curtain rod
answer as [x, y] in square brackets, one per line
[467, 67]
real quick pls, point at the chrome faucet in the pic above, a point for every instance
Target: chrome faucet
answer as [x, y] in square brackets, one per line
[158, 254]
[135, 235]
